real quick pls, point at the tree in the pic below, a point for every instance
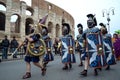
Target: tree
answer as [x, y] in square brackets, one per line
[118, 31]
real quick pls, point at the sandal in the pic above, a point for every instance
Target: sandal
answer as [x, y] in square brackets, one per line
[27, 75]
[43, 71]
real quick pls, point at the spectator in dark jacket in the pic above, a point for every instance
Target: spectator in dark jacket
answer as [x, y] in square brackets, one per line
[13, 46]
[5, 46]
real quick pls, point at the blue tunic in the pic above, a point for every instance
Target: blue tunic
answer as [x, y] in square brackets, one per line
[80, 41]
[67, 44]
[48, 54]
[94, 47]
[108, 49]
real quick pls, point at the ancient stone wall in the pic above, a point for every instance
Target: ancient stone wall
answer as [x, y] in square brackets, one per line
[38, 9]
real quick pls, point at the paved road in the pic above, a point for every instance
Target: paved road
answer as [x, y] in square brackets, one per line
[14, 70]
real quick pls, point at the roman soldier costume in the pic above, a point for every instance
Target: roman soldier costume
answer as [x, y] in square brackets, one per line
[48, 42]
[80, 42]
[67, 47]
[93, 55]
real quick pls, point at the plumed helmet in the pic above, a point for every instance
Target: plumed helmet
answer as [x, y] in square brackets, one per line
[102, 25]
[90, 15]
[80, 26]
[67, 25]
[43, 20]
[93, 18]
[46, 29]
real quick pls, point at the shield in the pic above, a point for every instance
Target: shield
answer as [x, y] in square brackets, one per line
[110, 58]
[95, 50]
[81, 44]
[68, 50]
[82, 48]
[48, 43]
[36, 48]
[48, 56]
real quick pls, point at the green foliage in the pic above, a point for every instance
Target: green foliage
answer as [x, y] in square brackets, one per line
[118, 31]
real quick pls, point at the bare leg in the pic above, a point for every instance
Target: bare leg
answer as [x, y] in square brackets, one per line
[28, 71]
[81, 64]
[84, 72]
[28, 67]
[40, 66]
[41, 61]
[86, 63]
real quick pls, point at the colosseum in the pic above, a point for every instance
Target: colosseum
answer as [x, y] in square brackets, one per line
[37, 10]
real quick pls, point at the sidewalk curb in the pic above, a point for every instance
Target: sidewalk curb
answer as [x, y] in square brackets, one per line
[11, 59]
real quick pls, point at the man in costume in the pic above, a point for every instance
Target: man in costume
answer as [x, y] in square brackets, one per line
[48, 54]
[31, 58]
[108, 46]
[93, 54]
[67, 49]
[79, 43]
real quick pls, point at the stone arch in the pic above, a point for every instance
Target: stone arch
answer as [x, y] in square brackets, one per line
[25, 1]
[15, 23]
[2, 6]
[29, 11]
[2, 21]
[57, 30]
[50, 29]
[27, 25]
[50, 7]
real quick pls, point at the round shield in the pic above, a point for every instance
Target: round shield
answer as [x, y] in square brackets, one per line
[36, 48]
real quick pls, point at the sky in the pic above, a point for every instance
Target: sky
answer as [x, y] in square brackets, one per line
[80, 8]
